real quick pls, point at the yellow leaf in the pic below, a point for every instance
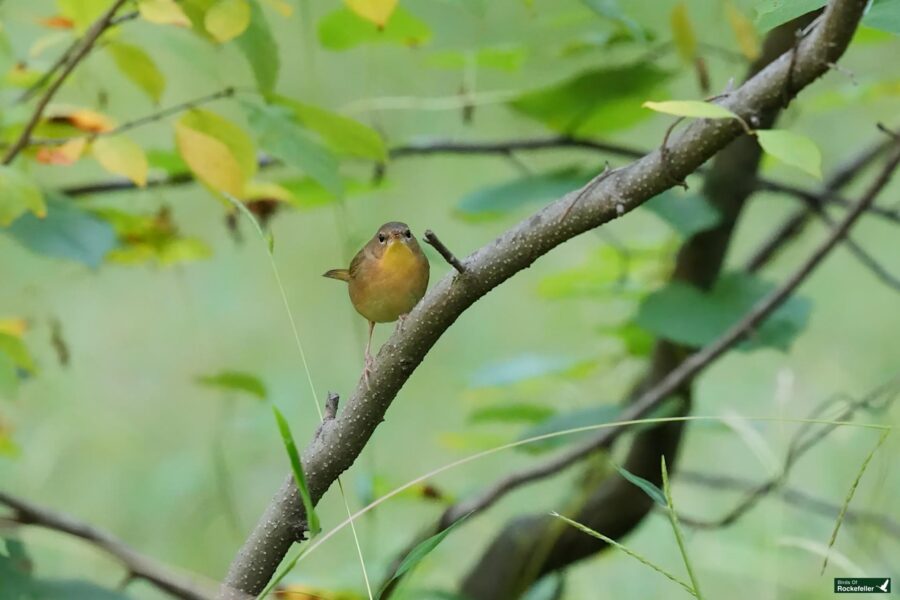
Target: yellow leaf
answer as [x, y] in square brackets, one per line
[235, 138]
[282, 6]
[209, 159]
[375, 11]
[744, 32]
[121, 156]
[227, 19]
[163, 12]
[266, 190]
[683, 33]
[13, 326]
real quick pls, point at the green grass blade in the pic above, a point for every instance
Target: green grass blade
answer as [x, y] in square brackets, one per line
[846, 504]
[626, 550]
[417, 554]
[673, 519]
[648, 487]
[297, 467]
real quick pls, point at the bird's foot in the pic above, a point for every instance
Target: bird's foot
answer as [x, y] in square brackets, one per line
[401, 321]
[368, 368]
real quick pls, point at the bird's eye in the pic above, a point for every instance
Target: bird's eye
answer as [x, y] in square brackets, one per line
[407, 233]
[381, 237]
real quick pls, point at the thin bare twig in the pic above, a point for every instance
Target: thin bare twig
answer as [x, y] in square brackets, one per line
[85, 45]
[137, 565]
[438, 245]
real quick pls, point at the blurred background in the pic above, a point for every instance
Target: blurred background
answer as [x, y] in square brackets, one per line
[131, 420]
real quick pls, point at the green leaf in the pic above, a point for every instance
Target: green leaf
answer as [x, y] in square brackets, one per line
[343, 29]
[260, 49]
[18, 194]
[9, 383]
[696, 109]
[648, 487]
[596, 101]
[609, 271]
[503, 58]
[792, 149]
[687, 315]
[14, 348]
[343, 134]
[286, 141]
[417, 554]
[772, 13]
[687, 213]
[136, 65]
[584, 417]
[884, 15]
[297, 467]
[227, 19]
[683, 33]
[522, 367]
[610, 9]
[511, 413]
[497, 200]
[66, 232]
[83, 13]
[236, 381]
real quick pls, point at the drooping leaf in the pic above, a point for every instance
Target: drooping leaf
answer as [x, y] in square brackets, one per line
[611, 10]
[687, 213]
[884, 15]
[163, 12]
[522, 367]
[236, 381]
[596, 101]
[261, 50]
[648, 487]
[511, 413]
[139, 67]
[343, 134]
[744, 31]
[66, 232]
[121, 156]
[418, 554]
[281, 137]
[792, 149]
[220, 153]
[683, 33]
[497, 200]
[343, 29]
[690, 108]
[312, 519]
[227, 19]
[772, 13]
[375, 11]
[687, 315]
[18, 194]
[584, 417]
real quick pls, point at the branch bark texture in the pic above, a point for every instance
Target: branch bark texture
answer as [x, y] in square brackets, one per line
[343, 438]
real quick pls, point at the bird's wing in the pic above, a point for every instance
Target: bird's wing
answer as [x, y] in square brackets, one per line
[356, 263]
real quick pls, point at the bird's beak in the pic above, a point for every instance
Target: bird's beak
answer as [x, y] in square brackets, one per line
[396, 235]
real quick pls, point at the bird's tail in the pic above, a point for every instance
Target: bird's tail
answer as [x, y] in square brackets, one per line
[342, 274]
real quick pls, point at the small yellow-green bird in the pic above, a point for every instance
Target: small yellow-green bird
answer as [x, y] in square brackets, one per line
[387, 278]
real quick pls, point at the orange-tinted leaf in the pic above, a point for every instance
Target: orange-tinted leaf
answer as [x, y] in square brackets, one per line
[66, 153]
[86, 120]
[57, 22]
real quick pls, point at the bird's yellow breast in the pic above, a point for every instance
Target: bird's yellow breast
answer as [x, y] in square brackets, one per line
[384, 288]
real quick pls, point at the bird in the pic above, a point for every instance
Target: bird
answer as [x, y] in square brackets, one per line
[386, 279]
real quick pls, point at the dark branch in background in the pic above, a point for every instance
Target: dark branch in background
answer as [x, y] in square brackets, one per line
[438, 245]
[83, 48]
[877, 400]
[137, 565]
[175, 109]
[344, 437]
[797, 498]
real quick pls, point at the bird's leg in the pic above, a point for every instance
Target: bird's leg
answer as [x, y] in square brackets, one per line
[369, 361]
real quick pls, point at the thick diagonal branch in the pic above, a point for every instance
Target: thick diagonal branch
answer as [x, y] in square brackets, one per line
[345, 437]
